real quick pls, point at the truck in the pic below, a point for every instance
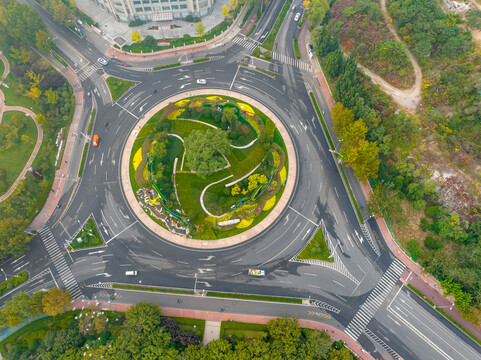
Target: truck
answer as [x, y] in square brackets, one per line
[95, 141]
[257, 272]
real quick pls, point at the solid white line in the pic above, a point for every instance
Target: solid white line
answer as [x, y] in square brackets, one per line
[113, 237]
[302, 215]
[234, 78]
[394, 298]
[338, 283]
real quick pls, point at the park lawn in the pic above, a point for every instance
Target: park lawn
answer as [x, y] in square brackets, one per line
[241, 154]
[12, 99]
[15, 158]
[316, 249]
[239, 331]
[240, 168]
[175, 150]
[183, 128]
[118, 86]
[187, 324]
[2, 69]
[189, 188]
[90, 236]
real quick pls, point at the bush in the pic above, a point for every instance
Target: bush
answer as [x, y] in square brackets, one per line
[433, 211]
[415, 249]
[432, 243]
[136, 22]
[425, 225]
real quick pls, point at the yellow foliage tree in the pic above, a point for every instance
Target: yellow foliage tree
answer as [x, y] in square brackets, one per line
[34, 92]
[136, 37]
[233, 4]
[306, 4]
[55, 301]
[200, 29]
[225, 10]
[244, 191]
[26, 139]
[34, 78]
[235, 190]
[255, 180]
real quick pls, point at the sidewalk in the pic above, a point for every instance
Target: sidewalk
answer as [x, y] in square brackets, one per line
[61, 175]
[334, 333]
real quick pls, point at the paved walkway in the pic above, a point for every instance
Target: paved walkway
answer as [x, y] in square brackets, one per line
[210, 244]
[28, 112]
[334, 333]
[211, 331]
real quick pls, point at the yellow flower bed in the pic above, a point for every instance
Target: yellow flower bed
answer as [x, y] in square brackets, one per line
[269, 203]
[196, 104]
[137, 159]
[152, 146]
[277, 159]
[181, 103]
[245, 107]
[213, 98]
[215, 220]
[254, 124]
[145, 174]
[283, 174]
[245, 223]
[175, 114]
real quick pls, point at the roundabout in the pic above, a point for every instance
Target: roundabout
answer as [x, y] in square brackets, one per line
[178, 197]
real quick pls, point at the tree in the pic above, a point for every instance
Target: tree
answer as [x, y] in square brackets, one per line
[473, 19]
[92, 322]
[306, 4]
[62, 13]
[333, 63]
[317, 12]
[285, 334]
[22, 22]
[363, 159]
[463, 300]
[44, 41]
[204, 149]
[26, 139]
[229, 117]
[13, 238]
[52, 96]
[385, 202]
[353, 134]
[255, 180]
[233, 4]
[342, 117]
[225, 10]
[136, 37]
[55, 301]
[318, 344]
[340, 354]
[200, 29]
[143, 317]
[415, 249]
[16, 310]
[235, 190]
[34, 93]
[36, 303]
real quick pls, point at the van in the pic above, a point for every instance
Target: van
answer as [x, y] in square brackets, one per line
[131, 273]
[95, 141]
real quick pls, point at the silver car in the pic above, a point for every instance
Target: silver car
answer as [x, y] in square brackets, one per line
[102, 61]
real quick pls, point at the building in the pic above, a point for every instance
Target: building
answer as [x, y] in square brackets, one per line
[156, 10]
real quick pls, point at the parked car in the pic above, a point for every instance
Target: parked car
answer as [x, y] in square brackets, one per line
[201, 81]
[95, 141]
[102, 61]
[257, 272]
[298, 15]
[293, 8]
[131, 273]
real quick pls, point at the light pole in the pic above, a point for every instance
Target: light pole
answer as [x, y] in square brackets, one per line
[195, 284]
[6, 278]
[335, 152]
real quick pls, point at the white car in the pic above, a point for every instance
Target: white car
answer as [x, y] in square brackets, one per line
[201, 81]
[102, 61]
[298, 15]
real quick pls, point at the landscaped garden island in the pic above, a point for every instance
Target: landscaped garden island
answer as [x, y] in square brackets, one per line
[208, 167]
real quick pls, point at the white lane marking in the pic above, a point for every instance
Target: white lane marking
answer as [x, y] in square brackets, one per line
[338, 283]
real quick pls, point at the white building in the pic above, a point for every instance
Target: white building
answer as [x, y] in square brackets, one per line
[156, 10]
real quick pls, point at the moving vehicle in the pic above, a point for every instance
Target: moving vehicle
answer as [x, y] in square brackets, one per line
[201, 81]
[293, 8]
[257, 272]
[102, 61]
[298, 15]
[131, 273]
[95, 140]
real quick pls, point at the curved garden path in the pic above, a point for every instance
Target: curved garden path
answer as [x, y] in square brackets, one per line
[409, 98]
[27, 112]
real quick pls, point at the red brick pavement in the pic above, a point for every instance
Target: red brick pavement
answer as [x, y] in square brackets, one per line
[214, 316]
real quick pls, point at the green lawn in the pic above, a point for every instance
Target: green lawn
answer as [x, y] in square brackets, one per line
[239, 331]
[188, 324]
[184, 127]
[12, 99]
[316, 249]
[240, 168]
[13, 282]
[118, 86]
[90, 236]
[14, 159]
[2, 69]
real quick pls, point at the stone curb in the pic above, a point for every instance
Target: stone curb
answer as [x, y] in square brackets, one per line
[208, 244]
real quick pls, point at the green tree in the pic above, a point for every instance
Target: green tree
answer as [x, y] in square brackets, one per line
[318, 344]
[92, 322]
[44, 41]
[385, 202]
[333, 63]
[463, 300]
[13, 238]
[204, 149]
[363, 159]
[415, 249]
[285, 334]
[62, 13]
[200, 29]
[143, 317]
[473, 19]
[55, 301]
[317, 11]
[324, 41]
[36, 303]
[229, 117]
[16, 310]
[340, 354]
[52, 96]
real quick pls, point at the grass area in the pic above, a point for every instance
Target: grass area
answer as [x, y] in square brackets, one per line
[255, 297]
[166, 66]
[152, 288]
[269, 43]
[82, 162]
[89, 235]
[14, 99]
[343, 173]
[118, 86]
[91, 122]
[13, 282]
[59, 59]
[2, 69]
[13, 159]
[447, 316]
[187, 324]
[243, 64]
[240, 331]
[296, 49]
[183, 128]
[201, 59]
[317, 248]
[248, 13]
[267, 72]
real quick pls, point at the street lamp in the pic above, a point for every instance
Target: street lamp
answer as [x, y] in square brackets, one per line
[195, 284]
[4, 274]
[444, 306]
[335, 152]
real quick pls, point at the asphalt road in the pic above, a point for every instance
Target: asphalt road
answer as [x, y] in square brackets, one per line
[364, 275]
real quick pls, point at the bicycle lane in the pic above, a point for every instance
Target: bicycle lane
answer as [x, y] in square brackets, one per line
[334, 333]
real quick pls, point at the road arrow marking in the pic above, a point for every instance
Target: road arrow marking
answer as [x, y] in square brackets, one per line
[104, 274]
[96, 252]
[202, 271]
[183, 85]
[208, 258]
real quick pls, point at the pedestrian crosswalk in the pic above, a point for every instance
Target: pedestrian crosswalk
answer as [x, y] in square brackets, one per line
[102, 285]
[88, 70]
[244, 42]
[291, 61]
[375, 299]
[60, 264]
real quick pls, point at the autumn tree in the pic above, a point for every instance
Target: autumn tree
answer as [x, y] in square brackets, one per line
[317, 11]
[200, 29]
[235, 190]
[16, 310]
[13, 238]
[255, 180]
[233, 4]
[342, 117]
[363, 159]
[55, 301]
[225, 10]
[44, 41]
[385, 202]
[136, 37]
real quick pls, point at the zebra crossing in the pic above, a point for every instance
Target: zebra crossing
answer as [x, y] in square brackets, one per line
[375, 299]
[291, 61]
[102, 285]
[85, 72]
[245, 42]
[369, 239]
[381, 343]
[324, 306]
[60, 264]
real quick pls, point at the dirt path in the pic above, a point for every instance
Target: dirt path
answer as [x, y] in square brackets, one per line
[409, 98]
[27, 112]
